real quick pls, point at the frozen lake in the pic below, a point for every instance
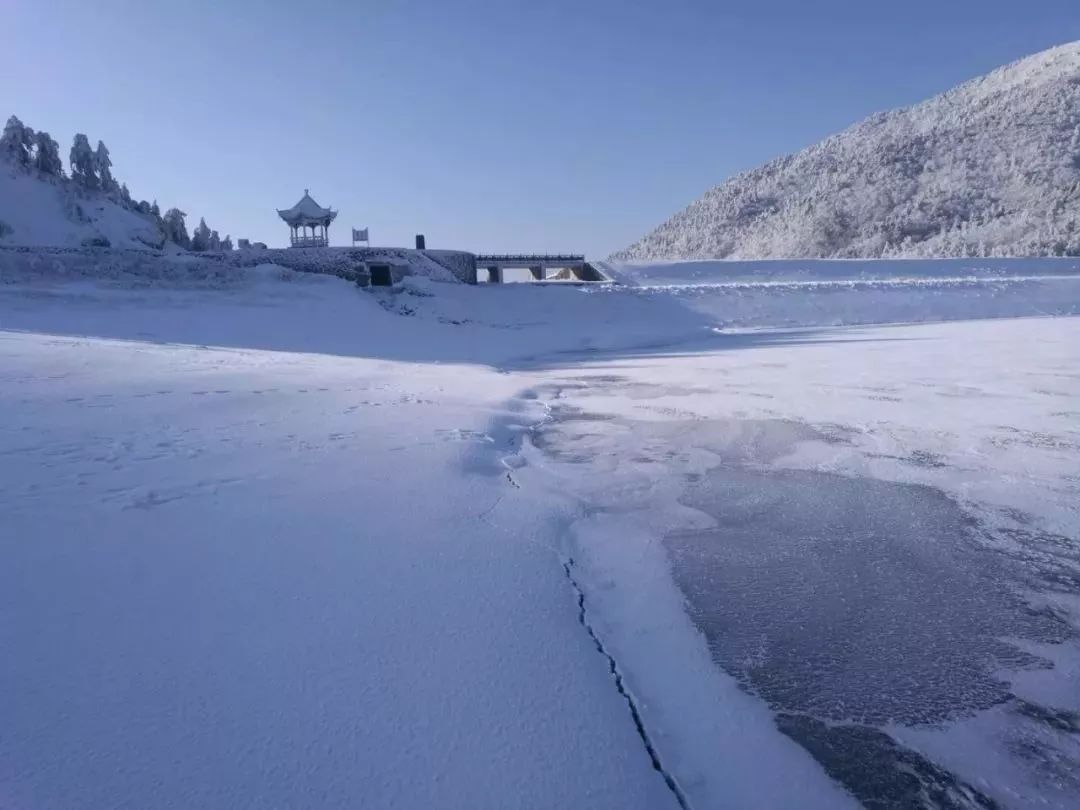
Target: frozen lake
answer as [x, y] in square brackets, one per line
[833, 516]
[669, 561]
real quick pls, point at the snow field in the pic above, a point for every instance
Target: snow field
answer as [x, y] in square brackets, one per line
[284, 541]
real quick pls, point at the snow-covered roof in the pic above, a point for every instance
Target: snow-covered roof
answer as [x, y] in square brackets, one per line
[307, 210]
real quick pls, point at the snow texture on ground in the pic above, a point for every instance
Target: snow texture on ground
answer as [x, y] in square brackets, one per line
[236, 578]
[286, 542]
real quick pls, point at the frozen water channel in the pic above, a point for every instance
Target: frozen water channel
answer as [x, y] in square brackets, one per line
[882, 552]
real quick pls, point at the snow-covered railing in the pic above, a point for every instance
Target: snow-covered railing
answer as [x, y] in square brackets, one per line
[308, 241]
[527, 257]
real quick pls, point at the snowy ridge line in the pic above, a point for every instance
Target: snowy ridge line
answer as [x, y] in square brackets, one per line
[620, 685]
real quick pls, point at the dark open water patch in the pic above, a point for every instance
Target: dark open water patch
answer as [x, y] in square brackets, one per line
[850, 603]
[847, 604]
[878, 771]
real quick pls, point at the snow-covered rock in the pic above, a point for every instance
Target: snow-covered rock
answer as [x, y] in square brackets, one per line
[990, 168]
[42, 211]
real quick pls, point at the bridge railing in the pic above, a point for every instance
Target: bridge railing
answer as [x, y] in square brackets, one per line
[527, 257]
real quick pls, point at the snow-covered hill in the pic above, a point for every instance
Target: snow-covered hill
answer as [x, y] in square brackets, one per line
[43, 211]
[990, 168]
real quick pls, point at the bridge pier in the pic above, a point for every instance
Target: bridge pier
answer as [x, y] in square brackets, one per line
[541, 267]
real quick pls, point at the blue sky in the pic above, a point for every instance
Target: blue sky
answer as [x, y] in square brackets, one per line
[486, 125]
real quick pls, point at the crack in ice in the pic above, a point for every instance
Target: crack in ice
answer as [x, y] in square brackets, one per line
[620, 685]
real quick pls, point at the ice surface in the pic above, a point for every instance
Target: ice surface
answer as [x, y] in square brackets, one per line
[876, 532]
[276, 541]
[887, 612]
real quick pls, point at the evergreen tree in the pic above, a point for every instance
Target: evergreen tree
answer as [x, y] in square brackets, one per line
[125, 196]
[17, 141]
[47, 155]
[226, 243]
[175, 227]
[215, 241]
[103, 166]
[200, 237]
[154, 210]
[143, 207]
[82, 162]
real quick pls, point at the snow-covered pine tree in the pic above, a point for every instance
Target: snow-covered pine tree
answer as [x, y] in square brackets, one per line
[200, 237]
[226, 243]
[103, 165]
[215, 241]
[125, 196]
[154, 210]
[82, 162]
[47, 155]
[175, 227]
[17, 141]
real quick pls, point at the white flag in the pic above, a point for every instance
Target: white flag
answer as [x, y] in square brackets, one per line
[359, 235]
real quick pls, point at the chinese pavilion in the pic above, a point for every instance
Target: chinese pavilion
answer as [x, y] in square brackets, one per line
[308, 222]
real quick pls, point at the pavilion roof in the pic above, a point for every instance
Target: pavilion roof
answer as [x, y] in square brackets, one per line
[306, 210]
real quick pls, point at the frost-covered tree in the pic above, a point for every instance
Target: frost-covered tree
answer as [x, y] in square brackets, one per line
[125, 196]
[226, 243]
[200, 237]
[83, 162]
[47, 155]
[215, 241]
[17, 142]
[989, 167]
[103, 166]
[175, 227]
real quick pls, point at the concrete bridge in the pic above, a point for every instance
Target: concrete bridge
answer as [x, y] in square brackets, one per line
[538, 265]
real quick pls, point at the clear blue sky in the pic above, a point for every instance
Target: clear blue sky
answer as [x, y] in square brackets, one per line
[486, 124]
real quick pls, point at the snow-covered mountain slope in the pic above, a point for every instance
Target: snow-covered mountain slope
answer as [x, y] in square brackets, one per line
[991, 167]
[36, 210]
